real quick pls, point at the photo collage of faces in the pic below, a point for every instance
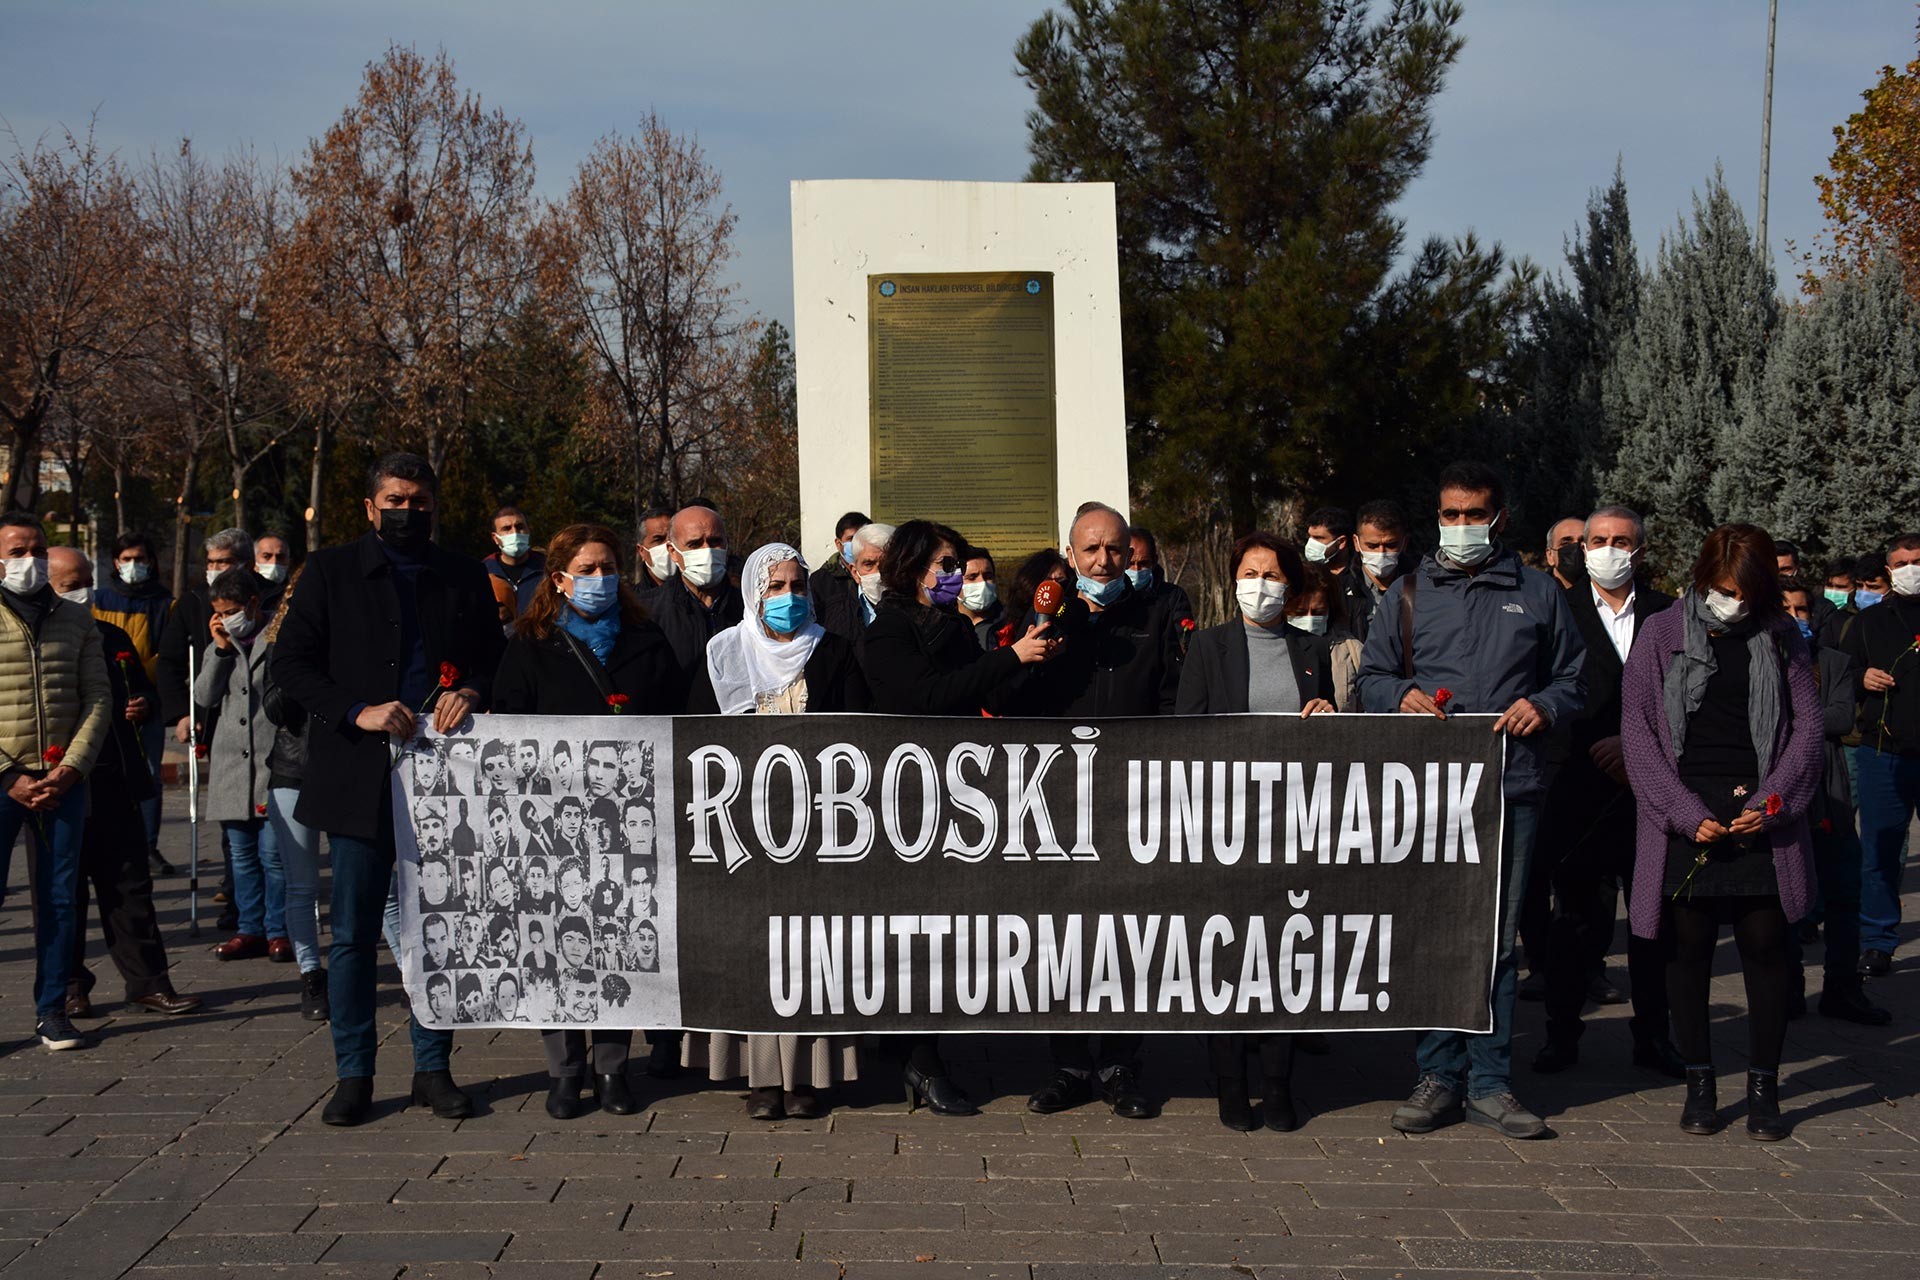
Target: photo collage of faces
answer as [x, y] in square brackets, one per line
[537, 882]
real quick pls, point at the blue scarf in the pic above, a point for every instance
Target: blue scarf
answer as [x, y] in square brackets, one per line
[598, 634]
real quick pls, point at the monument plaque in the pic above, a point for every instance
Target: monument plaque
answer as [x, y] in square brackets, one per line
[961, 405]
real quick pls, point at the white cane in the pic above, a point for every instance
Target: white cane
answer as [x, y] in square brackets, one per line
[193, 796]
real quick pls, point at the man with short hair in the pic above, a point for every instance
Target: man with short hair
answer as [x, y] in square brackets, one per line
[837, 571]
[1884, 643]
[133, 600]
[1586, 844]
[1837, 594]
[381, 631]
[653, 558]
[56, 708]
[846, 607]
[979, 601]
[1565, 551]
[1143, 571]
[272, 560]
[1121, 657]
[1380, 545]
[1501, 637]
[1329, 538]
[514, 569]
[1786, 558]
[705, 602]
[112, 850]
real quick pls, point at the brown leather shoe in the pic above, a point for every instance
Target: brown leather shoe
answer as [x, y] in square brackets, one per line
[167, 1002]
[280, 950]
[241, 946]
[80, 1007]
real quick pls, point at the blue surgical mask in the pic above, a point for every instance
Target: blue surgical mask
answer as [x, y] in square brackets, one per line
[595, 595]
[1865, 599]
[846, 553]
[1140, 578]
[787, 613]
[1806, 627]
[1101, 593]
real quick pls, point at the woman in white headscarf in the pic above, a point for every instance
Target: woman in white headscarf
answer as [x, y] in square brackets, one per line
[777, 661]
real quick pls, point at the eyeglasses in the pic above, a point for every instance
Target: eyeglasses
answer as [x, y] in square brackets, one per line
[949, 564]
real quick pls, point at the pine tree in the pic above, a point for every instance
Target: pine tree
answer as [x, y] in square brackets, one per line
[1689, 364]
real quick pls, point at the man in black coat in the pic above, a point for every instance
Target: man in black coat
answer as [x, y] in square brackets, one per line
[699, 601]
[845, 603]
[1588, 820]
[1120, 657]
[381, 630]
[113, 862]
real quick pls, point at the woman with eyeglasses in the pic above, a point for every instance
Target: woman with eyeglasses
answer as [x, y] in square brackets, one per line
[921, 659]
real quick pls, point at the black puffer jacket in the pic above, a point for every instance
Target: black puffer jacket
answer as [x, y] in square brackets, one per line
[924, 661]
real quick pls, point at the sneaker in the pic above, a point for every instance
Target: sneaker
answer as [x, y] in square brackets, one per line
[57, 1033]
[314, 1002]
[1430, 1105]
[1503, 1113]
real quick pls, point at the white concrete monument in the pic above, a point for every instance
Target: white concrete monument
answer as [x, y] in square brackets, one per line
[958, 355]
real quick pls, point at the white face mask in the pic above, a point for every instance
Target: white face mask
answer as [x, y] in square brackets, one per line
[704, 566]
[660, 561]
[515, 544]
[271, 572]
[82, 596]
[240, 626]
[213, 575]
[133, 572]
[1317, 551]
[1610, 567]
[1260, 600]
[870, 586]
[1467, 545]
[1906, 580]
[1380, 564]
[1311, 622]
[1727, 609]
[978, 596]
[26, 575]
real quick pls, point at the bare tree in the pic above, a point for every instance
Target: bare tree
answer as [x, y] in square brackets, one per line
[71, 245]
[409, 253]
[640, 244]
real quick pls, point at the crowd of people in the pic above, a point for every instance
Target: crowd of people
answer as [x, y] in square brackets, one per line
[1745, 755]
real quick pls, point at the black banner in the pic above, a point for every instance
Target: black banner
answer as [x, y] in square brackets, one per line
[819, 874]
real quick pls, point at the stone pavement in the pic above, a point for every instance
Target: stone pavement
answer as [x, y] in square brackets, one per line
[193, 1148]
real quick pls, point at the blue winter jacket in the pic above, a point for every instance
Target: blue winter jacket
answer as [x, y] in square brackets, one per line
[1490, 638]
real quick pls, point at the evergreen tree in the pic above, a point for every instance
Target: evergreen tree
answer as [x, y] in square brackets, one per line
[1257, 148]
[1690, 362]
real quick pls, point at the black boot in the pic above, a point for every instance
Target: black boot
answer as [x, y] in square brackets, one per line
[1763, 1107]
[766, 1104]
[1235, 1111]
[351, 1103]
[1657, 1053]
[563, 1097]
[939, 1093]
[1701, 1114]
[436, 1089]
[1276, 1107]
[615, 1097]
[314, 1003]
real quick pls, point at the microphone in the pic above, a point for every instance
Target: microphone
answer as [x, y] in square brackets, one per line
[1050, 599]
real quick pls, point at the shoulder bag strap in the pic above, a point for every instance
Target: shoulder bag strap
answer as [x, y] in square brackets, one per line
[1406, 622]
[596, 672]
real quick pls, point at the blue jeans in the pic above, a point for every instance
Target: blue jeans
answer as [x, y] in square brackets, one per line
[299, 847]
[259, 891]
[1484, 1063]
[153, 745]
[53, 869]
[362, 880]
[1889, 791]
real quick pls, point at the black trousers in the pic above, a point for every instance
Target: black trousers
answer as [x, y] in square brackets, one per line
[1595, 860]
[1094, 1055]
[113, 868]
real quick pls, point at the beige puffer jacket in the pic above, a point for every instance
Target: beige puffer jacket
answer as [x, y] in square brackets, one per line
[54, 694]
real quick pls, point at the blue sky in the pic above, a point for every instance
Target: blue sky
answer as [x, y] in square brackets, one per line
[1545, 97]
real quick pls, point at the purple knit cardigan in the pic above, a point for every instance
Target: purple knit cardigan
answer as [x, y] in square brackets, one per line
[1666, 804]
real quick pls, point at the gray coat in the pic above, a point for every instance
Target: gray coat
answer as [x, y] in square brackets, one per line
[232, 683]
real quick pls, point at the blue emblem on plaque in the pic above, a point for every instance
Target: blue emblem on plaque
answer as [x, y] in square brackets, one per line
[1033, 286]
[886, 288]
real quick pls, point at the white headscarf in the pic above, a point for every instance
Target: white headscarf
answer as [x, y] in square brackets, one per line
[744, 661]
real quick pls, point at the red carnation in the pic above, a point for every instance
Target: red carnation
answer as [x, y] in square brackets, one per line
[125, 655]
[448, 674]
[1441, 697]
[1826, 827]
[53, 755]
[1774, 805]
[259, 811]
[1188, 624]
[618, 701]
[200, 750]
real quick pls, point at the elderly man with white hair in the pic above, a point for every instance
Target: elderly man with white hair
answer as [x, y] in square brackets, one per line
[846, 609]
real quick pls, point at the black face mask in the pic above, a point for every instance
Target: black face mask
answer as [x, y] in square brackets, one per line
[405, 529]
[1573, 562]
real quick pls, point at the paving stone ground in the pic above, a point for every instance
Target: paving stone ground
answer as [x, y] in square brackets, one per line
[193, 1147]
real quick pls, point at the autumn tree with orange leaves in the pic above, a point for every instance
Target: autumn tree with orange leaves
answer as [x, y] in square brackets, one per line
[1871, 195]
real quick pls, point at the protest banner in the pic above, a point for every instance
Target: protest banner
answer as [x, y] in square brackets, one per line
[843, 874]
